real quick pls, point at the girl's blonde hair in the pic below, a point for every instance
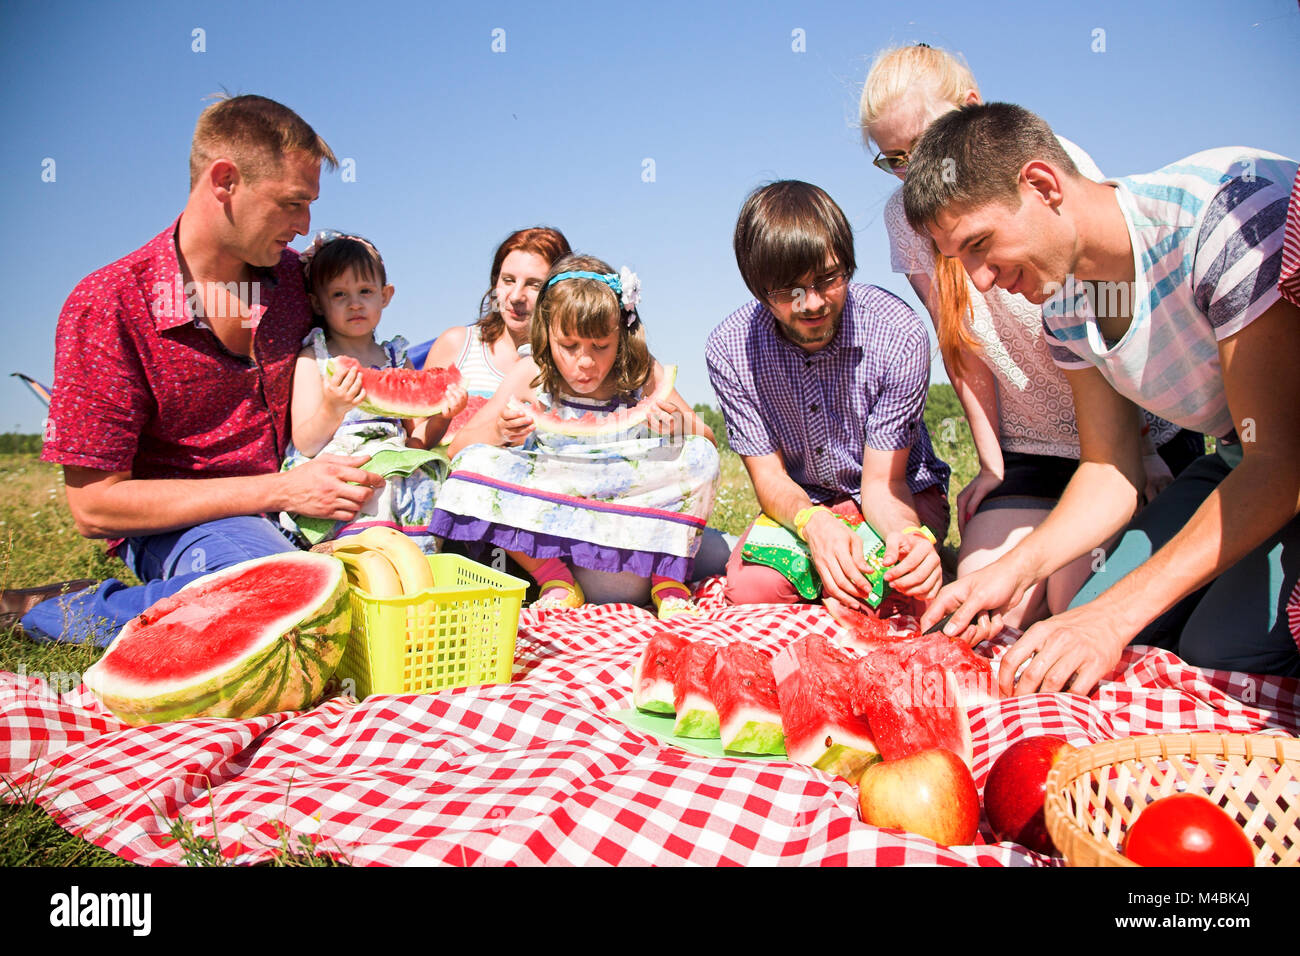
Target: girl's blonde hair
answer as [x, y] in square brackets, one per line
[895, 74]
[589, 309]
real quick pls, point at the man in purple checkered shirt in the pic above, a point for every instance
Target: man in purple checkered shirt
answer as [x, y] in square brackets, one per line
[823, 384]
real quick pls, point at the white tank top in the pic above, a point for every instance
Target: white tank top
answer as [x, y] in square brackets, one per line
[479, 375]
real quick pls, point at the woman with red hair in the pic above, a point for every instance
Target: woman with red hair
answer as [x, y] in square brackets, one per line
[485, 351]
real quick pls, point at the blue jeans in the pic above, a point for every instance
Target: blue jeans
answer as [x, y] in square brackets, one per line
[1237, 622]
[166, 563]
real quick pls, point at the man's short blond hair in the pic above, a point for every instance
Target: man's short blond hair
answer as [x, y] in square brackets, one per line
[254, 132]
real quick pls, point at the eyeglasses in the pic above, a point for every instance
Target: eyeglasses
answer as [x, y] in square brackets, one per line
[831, 283]
[892, 164]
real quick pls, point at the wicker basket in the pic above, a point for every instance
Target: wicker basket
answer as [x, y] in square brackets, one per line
[1096, 792]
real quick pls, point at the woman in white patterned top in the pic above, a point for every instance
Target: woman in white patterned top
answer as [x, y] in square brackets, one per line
[1017, 402]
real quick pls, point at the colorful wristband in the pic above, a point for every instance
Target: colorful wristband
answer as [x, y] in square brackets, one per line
[802, 518]
[922, 531]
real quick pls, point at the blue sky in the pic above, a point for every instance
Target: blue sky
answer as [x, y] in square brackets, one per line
[455, 144]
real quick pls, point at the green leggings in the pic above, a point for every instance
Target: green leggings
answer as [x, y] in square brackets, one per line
[1238, 621]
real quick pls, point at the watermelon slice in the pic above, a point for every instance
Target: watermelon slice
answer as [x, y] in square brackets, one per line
[255, 638]
[915, 692]
[815, 682]
[913, 688]
[652, 684]
[743, 689]
[696, 714]
[472, 405]
[906, 715]
[401, 392]
[605, 426]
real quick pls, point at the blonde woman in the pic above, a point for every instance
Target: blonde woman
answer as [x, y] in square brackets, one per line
[1018, 404]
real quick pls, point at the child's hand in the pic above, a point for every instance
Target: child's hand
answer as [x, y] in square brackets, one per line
[458, 396]
[515, 423]
[343, 391]
[665, 419]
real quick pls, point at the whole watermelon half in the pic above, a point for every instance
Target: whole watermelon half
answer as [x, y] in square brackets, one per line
[255, 638]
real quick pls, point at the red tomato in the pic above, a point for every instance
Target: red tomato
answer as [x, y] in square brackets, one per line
[1187, 829]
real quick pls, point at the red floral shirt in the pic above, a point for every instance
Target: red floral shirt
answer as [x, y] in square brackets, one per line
[142, 386]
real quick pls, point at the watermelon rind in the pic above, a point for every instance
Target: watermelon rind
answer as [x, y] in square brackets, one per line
[697, 717]
[751, 731]
[845, 761]
[286, 670]
[607, 426]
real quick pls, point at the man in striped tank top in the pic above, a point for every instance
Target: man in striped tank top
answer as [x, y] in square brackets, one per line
[1159, 290]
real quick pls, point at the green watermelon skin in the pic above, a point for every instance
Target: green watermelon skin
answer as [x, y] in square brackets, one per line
[285, 668]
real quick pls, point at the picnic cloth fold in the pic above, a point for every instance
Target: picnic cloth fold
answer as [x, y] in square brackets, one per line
[536, 771]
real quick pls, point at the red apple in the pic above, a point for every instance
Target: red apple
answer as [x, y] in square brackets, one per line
[930, 793]
[1016, 787]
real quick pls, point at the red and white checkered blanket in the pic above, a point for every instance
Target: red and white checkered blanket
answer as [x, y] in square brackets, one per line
[536, 772]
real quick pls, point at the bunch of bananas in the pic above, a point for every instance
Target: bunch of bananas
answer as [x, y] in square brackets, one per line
[383, 562]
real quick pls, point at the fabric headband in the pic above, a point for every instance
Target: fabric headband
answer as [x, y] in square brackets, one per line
[625, 283]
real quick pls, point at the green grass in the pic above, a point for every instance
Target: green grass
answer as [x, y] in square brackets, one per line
[39, 544]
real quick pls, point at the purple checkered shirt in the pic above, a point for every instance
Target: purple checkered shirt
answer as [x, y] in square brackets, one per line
[820, 410]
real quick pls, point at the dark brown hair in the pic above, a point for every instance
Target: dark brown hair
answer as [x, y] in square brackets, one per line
[255, 133]
[340, 255]
[542, 241]
[973, 156]
[786, 230]
[589, 309]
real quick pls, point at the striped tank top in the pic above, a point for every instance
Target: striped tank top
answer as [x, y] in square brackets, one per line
[479, 375]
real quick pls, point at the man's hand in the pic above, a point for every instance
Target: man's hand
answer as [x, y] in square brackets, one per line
[913, 565]
[968, 501]
[837, 555]
[1070, 652]
[329, 486]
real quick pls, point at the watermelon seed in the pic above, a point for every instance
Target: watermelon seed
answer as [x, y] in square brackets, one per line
[828, 740]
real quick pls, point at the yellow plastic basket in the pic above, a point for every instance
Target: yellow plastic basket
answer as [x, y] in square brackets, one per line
[459, 633]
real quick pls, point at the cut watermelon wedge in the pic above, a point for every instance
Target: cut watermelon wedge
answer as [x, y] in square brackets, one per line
[913, 688]
[907, 719]
[609, 425]
[652, 683]
[744, 691]
[815, 682]
[696, 714]
[401, 392]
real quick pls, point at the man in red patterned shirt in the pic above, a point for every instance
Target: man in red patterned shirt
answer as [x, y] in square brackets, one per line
[173, 368]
